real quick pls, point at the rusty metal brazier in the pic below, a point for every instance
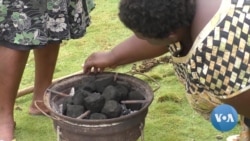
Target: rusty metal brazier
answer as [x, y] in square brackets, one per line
[125, 128]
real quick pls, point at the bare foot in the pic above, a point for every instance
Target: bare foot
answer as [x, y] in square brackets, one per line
[233, 138]
[7, 131]
[38, 109]
[242, 137]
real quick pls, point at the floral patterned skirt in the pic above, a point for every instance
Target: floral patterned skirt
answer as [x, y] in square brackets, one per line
[27, 24]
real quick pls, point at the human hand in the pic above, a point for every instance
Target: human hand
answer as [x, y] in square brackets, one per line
[98, 61]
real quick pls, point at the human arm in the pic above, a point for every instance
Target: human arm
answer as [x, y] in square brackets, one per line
[240, 103]
[130, 50]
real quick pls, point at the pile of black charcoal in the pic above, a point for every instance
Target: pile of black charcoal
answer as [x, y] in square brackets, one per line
[101, 98]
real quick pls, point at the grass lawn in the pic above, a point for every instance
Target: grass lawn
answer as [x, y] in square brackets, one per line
[170, 117]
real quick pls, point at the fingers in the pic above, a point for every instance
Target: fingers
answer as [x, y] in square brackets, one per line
[95, 70]
[88, 68]
[92, 70]
[96, 63]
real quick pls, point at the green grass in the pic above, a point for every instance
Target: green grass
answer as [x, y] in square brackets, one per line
[170, 118]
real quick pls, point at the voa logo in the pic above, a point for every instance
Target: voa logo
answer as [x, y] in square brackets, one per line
[224, 117]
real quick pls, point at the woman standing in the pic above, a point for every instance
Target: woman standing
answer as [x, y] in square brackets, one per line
[40, 26]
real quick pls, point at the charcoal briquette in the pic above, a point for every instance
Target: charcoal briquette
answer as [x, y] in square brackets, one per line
[74, 110]
[94, 102]
[78, 98]
[111, 93]
[97, 116]
[123, 91]
[88, 83]
[66, 101]
[102, 83]
[135, 95]
[112, 109]
[124, 83]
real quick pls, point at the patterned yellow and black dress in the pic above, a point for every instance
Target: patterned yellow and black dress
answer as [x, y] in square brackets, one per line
[218, 64]
[27, 24]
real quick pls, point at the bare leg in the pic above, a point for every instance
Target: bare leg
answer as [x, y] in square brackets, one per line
[45, 59]
[12, 64]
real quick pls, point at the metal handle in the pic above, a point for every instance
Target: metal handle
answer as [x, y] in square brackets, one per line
[47, 115]
[158, 85]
